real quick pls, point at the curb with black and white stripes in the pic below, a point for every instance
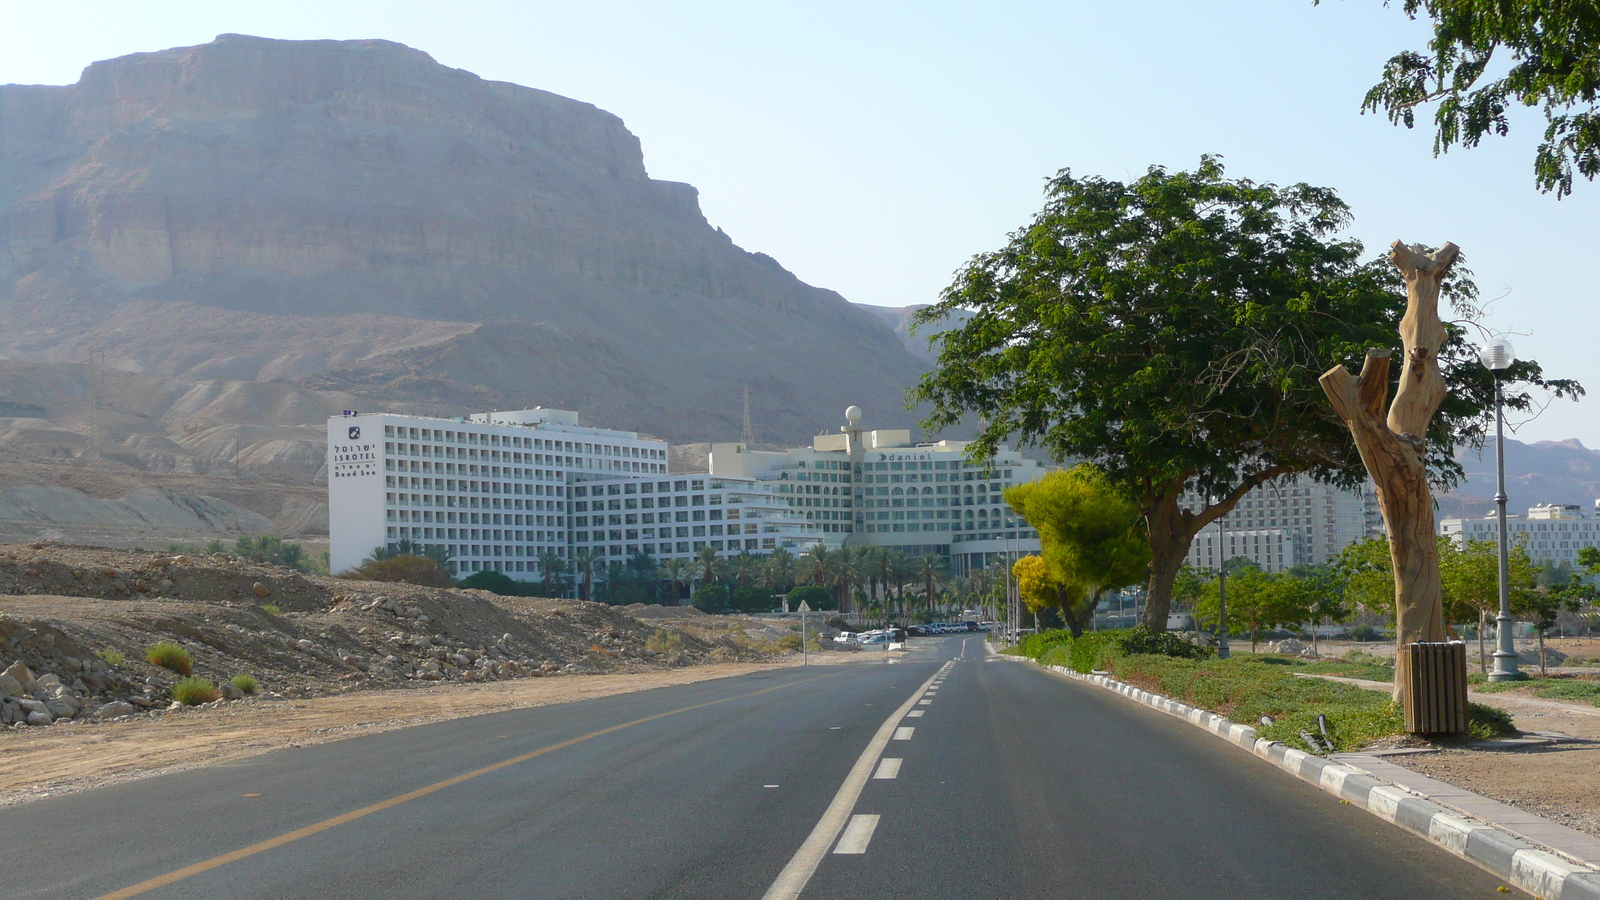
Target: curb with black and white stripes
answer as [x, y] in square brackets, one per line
[1518, 862]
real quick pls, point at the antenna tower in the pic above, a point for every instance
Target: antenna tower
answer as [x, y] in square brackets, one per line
[748, 436]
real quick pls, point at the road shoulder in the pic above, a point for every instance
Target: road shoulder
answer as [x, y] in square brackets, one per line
[44, 762]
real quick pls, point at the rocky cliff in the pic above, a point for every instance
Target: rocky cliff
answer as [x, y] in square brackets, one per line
[353, 223]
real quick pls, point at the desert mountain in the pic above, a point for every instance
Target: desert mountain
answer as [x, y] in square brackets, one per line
[204, 251]
[898, 318]
[1540, 472]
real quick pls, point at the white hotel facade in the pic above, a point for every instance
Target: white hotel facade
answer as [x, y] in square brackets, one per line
[1551, 532]
[879, 489]
[498, 489]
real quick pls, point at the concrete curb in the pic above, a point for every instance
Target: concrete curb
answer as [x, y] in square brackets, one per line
[1520, 863]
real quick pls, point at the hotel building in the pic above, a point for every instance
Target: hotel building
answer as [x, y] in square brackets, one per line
[496, 490]
[1551, 532]
[1286, 523]
[879, 489]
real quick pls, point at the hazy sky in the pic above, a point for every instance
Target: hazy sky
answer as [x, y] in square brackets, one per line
[872, 148]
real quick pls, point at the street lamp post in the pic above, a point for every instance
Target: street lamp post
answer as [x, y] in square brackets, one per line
[1498, 356]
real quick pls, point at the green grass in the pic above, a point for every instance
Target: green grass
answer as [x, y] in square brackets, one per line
[170, 656]
[246, 683]
[1245, 689]
[110, 657]
[1559, 687]
[195, 691]
[270, 608]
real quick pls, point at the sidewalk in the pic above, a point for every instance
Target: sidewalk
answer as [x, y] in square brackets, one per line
[1557, 781]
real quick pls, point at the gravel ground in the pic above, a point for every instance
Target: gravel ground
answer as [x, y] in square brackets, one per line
[1560, 782]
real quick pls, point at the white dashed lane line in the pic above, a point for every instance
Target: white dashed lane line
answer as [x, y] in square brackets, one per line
[924, 702]
[857, 835]
[903, 733]
[915, 714]
[888, 767]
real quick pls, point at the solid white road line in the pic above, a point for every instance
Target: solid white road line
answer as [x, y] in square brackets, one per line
[915, 714]
[889, 767]
[792, 880]
[904, 733]
[857, 835]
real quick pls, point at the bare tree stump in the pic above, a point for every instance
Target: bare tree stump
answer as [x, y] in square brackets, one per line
[1394, 447]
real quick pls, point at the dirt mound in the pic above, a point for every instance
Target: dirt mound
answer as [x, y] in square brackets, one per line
[88, 615]
[657, 611]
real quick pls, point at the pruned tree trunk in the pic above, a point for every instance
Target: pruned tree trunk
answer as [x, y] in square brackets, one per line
[1394, 447]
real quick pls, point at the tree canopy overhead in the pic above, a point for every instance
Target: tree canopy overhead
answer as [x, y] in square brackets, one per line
[1548, 58]
[1171, 331]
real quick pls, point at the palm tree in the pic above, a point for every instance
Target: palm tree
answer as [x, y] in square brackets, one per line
[616, 578]
[930, 570]
[900, 570]
[585, 559]
[882, 569]
[744, 566]
[676, 572]
[778, 571]
[554, 569]
[709, 566]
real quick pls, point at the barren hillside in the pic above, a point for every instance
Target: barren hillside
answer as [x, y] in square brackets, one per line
[205, 251]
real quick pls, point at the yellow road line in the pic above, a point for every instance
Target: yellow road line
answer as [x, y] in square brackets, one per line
[273, 843]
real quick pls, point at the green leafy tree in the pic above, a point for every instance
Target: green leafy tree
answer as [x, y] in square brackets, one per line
[1041, 592]
[1257, 601]
[1470, 576]
[495, 583]
[1089, 535]
[1487, 57]
[712, 598]
[1171, 331]
[814, 596]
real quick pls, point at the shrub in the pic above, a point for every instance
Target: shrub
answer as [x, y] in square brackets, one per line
[170, 656]
[417, 570]
[195, 691]
[711, 598]
[663, 642]
[789, 642]
[1363, 633]
[814, 596]
[270, 608]
[110, 657]
[1099, 649]
[246, 683]
[496, 583]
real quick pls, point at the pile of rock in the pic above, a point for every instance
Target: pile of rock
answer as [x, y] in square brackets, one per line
[1288, 647]
[44, 700]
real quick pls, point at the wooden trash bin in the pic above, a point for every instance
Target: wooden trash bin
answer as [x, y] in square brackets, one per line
[1435, 679]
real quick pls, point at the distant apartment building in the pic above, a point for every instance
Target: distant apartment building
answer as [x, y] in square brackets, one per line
[496, 490]
[1551, 532]
[877, 488]
[1291, 522]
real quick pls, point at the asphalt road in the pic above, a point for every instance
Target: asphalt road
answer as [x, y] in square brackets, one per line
[1011, 783]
